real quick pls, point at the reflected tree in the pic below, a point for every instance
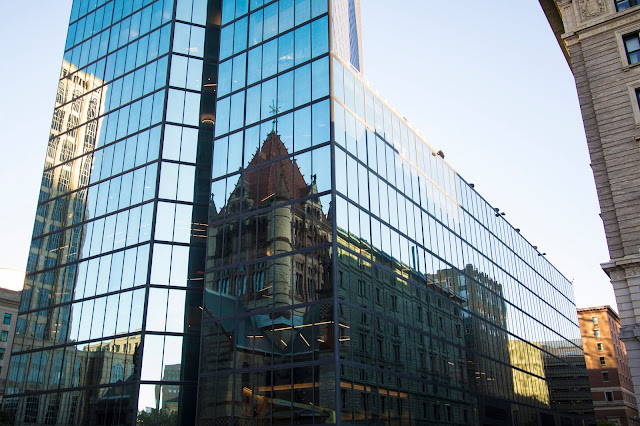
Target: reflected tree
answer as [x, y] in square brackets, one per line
[156, 417]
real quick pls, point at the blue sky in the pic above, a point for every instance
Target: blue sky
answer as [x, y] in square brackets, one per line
[491, 88]
[488, 85]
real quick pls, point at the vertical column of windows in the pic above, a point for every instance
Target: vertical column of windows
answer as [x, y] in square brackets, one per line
[270, 221]
[109, 97]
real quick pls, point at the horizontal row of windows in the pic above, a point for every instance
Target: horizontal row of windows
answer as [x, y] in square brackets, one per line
[66, 407]
[129, 227]
[385, 396]
[119, 271]
[122, 91]
[135, 22]
[116, 93]
[118, 124]
[292, 47]
[235, 73]
[108, 274]
[278, 16]
[120, 313]
[441, 361]
[174, 311]
[104, 163]
[118, 193]
[109, 45]
[372, 340]
[125, 228]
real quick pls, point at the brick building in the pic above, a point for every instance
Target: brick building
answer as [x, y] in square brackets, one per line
[607, 366]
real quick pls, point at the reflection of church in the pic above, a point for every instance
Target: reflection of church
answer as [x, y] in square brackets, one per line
[248, 228]
[413, 348]
[261, 312]
[271, 211]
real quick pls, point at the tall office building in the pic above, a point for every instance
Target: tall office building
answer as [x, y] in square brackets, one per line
[601, 41]
[248, 233]
[117, 256]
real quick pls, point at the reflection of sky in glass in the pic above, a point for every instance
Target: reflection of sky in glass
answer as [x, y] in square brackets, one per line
[97, 202]
[452, 201]
[291, 72]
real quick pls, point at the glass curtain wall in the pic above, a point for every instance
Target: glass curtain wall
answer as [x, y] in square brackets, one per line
[111, 303]
[352, 276]
[446, 315]
[268, 319]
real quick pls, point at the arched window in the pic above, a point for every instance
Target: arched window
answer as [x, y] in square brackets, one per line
[77, 370]
[61, 95]
[117, 373]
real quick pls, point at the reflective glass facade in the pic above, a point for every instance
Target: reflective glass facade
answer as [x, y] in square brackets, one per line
[352, 275]
[234, 227]
[111, 304]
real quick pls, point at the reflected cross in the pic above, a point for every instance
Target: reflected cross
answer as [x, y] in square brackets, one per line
[274, 109]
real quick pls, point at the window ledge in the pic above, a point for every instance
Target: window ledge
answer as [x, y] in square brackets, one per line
[628, 67]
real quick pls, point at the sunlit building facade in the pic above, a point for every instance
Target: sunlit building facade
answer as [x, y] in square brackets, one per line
[261, 238]
[117, 256]
[352, 276]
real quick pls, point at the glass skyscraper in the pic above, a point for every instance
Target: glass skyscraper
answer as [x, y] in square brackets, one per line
[235, 227]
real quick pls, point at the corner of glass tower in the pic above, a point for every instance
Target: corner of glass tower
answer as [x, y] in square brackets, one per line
[109, 324]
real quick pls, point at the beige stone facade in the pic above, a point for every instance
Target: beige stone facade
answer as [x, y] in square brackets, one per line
[9, 304]
[590, 33]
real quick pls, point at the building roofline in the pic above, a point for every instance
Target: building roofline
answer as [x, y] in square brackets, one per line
[601, 308]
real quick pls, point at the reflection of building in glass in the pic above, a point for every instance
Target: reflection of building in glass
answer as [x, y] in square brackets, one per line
[271, 210]
[167, 395]
[608, 367]
[67, 170]
[485, 329]
[400, 301]
[114, 279]
[564, 366]
[529, 378]
[350, 275]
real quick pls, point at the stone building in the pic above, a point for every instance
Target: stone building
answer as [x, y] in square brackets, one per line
[601, 41]
[9, 303]
[606, 359]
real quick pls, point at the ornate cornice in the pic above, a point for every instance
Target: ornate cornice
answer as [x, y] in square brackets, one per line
[622, 268]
